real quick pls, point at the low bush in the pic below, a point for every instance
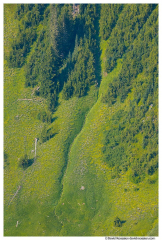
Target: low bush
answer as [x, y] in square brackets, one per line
[117, 222]
[25, 162]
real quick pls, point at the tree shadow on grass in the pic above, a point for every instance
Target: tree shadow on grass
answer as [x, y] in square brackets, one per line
[53, 119]
[47, 134]
[123, 221]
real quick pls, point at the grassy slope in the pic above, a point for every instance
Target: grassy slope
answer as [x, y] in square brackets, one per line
[41, 185]
[92, 211]
[42, 207]
[103, 198]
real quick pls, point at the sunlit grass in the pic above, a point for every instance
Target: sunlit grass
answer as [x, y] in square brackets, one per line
[69, 190]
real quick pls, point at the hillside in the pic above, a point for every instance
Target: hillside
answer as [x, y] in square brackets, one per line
[85, 85]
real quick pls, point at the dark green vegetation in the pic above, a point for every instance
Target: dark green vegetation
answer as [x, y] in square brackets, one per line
[141, 57]
[86, 86]
[25, 162]
[63, 49]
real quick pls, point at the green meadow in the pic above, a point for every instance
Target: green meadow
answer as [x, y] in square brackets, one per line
[69, 189]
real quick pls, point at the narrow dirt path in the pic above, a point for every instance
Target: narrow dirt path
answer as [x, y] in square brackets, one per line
[14, 195]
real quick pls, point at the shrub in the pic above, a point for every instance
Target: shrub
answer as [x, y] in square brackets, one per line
[145, 142]
[136, 176]
[117, 222]
[151, 181]
[25, 162]
[136, 189]
[151, 170]
[6, 162]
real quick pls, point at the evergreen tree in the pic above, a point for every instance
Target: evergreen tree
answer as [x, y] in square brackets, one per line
[53, 29]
